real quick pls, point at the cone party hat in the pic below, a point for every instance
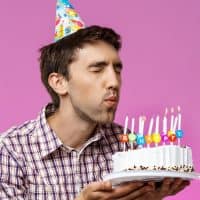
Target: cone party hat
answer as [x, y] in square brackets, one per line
[67, 20]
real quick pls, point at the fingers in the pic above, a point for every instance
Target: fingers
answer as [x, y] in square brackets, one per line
[103, 191]
[152, 184]
[126, 189]
[178, 186]
[165, 187]
[95, 191]
[152, 195]
[100, 186]
[172, 186]
[137, 190]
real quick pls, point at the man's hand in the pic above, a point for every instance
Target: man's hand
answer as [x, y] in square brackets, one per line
[168, 187]
[172, 186]
[132, 190]
[104, 191]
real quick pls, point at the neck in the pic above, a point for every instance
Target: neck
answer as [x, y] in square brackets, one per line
[69, 127]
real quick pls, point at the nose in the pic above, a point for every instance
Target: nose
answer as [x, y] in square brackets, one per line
[113, 79]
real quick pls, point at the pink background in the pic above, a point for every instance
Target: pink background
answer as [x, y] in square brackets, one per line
[161, 46]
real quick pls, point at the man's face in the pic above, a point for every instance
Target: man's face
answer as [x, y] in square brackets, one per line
[94, 82]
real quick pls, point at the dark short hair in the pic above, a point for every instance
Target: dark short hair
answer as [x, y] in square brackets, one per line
[56, 57]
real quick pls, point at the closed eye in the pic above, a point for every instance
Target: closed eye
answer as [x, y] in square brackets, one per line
[118, 67]
[99, 66]
[96, 67]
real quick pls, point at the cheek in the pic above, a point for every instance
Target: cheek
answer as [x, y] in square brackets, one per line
[85, 90]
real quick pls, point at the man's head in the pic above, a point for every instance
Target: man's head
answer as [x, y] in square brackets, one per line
[89, 66]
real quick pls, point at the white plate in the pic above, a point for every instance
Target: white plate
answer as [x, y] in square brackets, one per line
[147, 175]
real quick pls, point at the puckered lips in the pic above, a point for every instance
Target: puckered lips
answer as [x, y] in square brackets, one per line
[111, 101]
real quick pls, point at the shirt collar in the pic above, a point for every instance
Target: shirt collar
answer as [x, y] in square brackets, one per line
[48, 140]
[97, 136]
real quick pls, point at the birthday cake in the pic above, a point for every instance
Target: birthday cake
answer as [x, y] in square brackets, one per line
[168, 157]
[154, 151]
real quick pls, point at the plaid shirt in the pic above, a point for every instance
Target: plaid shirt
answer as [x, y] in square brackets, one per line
[34, 163]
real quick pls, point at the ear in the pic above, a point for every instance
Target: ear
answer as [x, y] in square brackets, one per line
[58, 83]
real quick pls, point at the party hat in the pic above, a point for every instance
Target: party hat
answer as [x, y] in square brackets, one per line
[67, 19]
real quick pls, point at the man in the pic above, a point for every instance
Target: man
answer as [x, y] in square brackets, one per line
[67, 150]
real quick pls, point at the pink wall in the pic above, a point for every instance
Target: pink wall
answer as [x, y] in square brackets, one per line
[161, 46]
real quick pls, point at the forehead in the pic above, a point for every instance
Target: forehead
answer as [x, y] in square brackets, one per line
[97, 51]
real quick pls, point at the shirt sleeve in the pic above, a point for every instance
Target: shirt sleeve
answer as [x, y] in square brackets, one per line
[11, 176]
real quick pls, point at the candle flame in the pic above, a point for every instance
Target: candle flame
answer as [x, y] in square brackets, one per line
[179, 109]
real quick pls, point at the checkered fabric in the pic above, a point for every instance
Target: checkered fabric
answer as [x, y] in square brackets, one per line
[34, 163]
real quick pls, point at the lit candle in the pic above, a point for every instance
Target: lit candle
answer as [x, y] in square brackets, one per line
[172, 137]
[157, 125]
[143, 118]
[140, 125]
[165, 125]
[156, 136]
[140, 138]
[172, 119]
[126, 125]
[148, 137]
[179, 131]
[175, 124]
[164, 131]
[132, 136]
[132, 125]
[174, 128]
[150, 126]
[179, 118]
[165, 122]
[125, 130]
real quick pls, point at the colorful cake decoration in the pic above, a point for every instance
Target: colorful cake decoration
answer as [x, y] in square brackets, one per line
[169, 135]
[67, 19]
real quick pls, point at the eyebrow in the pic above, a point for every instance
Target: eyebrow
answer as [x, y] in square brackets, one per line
[104, 63]
[98, 64]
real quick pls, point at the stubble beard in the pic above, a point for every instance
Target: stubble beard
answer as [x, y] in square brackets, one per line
[98, 116]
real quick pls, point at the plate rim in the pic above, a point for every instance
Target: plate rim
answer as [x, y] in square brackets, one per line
[153, 174]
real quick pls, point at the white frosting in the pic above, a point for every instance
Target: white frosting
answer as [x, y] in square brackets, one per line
[168, 157]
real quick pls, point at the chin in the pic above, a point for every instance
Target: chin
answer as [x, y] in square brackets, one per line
[102, 117]
[106, 118]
